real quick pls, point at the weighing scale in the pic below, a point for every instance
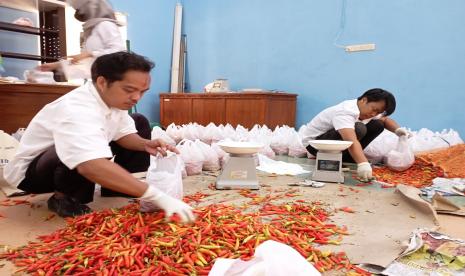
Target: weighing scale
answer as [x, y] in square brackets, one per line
[239, 171]
[328, 166]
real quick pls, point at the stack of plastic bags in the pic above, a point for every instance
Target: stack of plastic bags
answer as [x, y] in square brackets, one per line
[419, 141]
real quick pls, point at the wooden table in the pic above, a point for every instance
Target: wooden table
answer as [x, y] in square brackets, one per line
[19, 103]
[246, 109]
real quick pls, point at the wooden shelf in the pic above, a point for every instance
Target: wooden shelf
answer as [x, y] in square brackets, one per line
[25, 29]
[26, 56]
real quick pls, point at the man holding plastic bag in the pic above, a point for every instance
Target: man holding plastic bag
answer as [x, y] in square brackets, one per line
[359, 120]
[65, 148]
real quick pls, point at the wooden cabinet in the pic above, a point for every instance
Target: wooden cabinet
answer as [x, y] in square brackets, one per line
[19, 103]
[246, 109]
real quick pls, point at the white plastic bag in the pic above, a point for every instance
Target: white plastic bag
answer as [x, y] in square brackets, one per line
[402, 157]
[242, 134]
[158, 133]
[211, 161]
[426, 140]
[280, 141]
[296, 148]
[451, 136]
[8, 146]
[164, 173]
[262, 135]
[19, 133]
[192, 156]
[211, 134]
[267, 151]
[36, 76]
[174, 132]
[222, 155]
[229, 132]
[271, 258]
[377, 150]
[192, 131]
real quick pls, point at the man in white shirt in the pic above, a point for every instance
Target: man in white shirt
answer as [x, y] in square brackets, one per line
[359, 120]
[66, 147]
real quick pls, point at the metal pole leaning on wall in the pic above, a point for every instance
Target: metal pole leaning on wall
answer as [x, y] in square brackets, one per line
[176, 49]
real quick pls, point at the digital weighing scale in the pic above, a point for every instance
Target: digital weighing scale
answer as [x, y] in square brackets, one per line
[239, 171]
[328, 166]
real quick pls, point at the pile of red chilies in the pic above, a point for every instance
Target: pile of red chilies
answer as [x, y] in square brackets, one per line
[125, 241]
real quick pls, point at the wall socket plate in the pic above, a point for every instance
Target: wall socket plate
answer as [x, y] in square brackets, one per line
[360, 47]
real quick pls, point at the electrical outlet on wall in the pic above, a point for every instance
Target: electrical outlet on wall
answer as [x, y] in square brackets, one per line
[360, 47]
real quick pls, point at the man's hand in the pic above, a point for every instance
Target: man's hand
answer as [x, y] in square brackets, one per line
[364, 172]
[401, 132]
[169, 204]
[159, 146]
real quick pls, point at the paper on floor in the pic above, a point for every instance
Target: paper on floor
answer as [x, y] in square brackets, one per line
[444, 186]
[430, 253]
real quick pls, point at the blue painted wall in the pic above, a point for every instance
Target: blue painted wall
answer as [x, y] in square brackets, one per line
[150, 30]
[18, 43]
[289, 45]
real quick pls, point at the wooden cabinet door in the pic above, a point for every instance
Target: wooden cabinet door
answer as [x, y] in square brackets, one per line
[205, 111]
[246, 112]
[175, 110]
[19, 103]
[281, 111]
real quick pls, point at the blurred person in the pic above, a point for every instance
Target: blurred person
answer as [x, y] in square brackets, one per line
[100, 35]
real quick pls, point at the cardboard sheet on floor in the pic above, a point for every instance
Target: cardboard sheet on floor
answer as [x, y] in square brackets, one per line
[381, 222]
[444, 206]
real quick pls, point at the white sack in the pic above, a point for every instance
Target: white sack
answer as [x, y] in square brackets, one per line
[271, 258]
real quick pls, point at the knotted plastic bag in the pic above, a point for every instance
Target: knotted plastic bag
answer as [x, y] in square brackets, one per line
[192, 156]
[402, 157]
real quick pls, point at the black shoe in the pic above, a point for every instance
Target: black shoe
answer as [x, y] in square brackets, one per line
[67, 206]
[104, 192]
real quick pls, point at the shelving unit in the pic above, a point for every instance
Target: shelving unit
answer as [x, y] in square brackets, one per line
[25, 29]
[27, 56]
[52, 34]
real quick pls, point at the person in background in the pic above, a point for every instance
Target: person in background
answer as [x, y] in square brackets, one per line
[68, 145]
[360, 121]
[100, 35]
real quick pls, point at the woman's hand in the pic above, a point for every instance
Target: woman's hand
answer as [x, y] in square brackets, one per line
[48, 66]
[77, 58]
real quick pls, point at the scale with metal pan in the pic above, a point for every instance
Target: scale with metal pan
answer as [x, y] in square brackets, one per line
[239, 171]
[328, 166]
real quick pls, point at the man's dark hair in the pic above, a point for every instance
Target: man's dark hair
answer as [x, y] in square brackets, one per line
[113, 66]
[378, 94]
